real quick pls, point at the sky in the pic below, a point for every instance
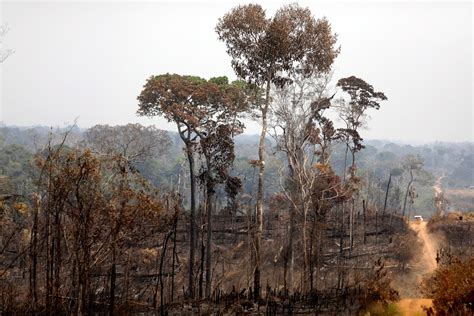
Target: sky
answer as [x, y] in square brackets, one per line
[89, 60]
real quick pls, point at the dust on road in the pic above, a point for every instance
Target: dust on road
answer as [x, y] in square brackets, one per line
[423, 265]
[427, 262]
[413, 306]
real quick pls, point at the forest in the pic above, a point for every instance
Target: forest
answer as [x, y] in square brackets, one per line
[305, 218]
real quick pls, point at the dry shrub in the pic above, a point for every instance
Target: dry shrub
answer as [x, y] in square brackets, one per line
[452, 288]
[9, 298]
[457, 230]
[405, 247]
[378, 288]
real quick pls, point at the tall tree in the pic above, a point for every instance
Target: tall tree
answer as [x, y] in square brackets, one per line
[305, 136]
[353, 112]
[395, 172]
[412, 165]
[266, 51]
[217, 147]
[195, 105]
[218, 150]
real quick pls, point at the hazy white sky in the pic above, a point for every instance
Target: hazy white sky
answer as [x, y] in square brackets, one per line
[90, 59]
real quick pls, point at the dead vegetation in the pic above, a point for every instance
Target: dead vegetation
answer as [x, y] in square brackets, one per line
[451, 285]
[95, 237]
[457, 229]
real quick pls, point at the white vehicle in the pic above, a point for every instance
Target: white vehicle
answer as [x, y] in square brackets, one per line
[418, 218]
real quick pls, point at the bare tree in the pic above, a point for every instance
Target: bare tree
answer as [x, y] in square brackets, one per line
[353, 112]
[134, 142]
[305, 136]
[395, 172]
[91, 208]
[267, 51]
[413, 165]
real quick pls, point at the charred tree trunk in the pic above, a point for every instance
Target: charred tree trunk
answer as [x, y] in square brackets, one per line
[312, 256]
[386, 194]
[162, 261]
[406, 193]
[34, 259]
[84, 273]
[364, 210]
[175, 226]
[351, 226]
[192, 220]
[57, 261]
[209, 201]
[113, 276]
[49, 260]
[201, 268]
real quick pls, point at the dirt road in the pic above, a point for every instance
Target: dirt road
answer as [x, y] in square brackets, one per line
[413, 306]
[425, 264]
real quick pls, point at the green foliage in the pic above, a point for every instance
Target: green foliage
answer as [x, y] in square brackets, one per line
[220, 81]
[15, 169]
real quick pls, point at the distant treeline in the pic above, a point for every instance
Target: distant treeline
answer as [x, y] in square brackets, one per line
[454, 160]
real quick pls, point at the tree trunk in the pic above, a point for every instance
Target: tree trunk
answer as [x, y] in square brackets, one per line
[57, 261]
[85, 273]
[386, 195]
[351, 219]
[351, 226]
[305, 251]
[376, 224]
[34, 259]
[113, 276]
[364, 210]
[312, 256]
[208, 243]
[260, 195]
[406, 194]
[341, 237]
[201, 270]
[162, 261]
[320, 258]
[48, 259]
[175, 225]
[289, 267]
[192, 230]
